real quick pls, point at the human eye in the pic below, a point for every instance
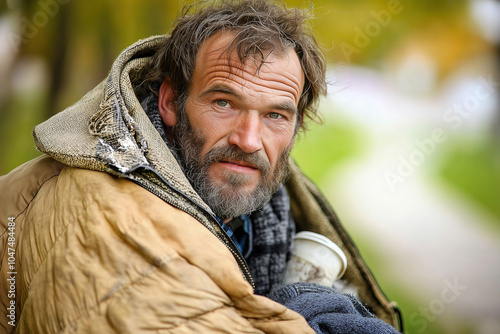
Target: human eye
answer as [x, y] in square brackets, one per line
[275, 115]
[222, 103]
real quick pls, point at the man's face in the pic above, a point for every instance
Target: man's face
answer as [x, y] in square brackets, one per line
[238, 126]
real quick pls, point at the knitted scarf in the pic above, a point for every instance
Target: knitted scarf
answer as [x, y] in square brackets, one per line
[272, 226]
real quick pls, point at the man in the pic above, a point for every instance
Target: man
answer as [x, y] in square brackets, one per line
[158, 205]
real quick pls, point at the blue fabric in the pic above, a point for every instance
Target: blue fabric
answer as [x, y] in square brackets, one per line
[225, 227]
[329, 312]
[243, 236]
[240, 231]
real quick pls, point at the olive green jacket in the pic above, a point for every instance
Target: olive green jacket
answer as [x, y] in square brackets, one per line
[109, 235]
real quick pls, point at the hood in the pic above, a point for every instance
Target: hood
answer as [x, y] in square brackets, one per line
[107, 130]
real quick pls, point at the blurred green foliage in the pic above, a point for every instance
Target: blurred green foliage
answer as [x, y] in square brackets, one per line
[474, 169]
[320, 153]
[324, 147]
[18, 119]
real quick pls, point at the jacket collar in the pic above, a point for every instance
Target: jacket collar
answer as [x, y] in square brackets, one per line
[108, 130]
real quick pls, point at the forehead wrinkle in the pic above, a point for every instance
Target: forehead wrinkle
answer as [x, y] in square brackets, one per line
[284, 80]
[224, 72]
[257, 87]
[219, 49]
[252, 71]
[228, 66]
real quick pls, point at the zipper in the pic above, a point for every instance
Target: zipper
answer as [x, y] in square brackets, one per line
[218, 232]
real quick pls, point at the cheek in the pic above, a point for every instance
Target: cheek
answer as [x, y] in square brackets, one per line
[215, 136]
[276, 146]
[212, 130]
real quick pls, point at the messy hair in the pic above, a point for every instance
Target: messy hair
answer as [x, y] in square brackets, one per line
[260, 28]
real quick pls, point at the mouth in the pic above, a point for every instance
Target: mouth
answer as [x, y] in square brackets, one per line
[239, 166]
[240, 163]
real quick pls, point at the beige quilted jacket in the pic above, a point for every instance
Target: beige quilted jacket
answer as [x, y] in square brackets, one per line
[104, 234]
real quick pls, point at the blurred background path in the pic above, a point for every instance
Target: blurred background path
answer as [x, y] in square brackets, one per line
[439, 248]
[427, 237]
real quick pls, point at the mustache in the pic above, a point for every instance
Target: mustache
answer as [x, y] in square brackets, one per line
[235, 154]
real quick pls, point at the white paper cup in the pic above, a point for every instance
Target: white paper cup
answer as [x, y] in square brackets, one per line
[315, 259]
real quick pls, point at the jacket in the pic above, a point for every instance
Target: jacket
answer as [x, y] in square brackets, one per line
[109, 235]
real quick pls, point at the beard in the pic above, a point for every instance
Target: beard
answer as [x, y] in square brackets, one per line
[228, 200]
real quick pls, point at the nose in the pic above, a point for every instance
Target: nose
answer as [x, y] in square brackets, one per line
[247, 133]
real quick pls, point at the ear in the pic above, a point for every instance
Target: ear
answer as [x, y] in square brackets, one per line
[166, 103]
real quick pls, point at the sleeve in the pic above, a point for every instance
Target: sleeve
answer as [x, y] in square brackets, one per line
[328, 312]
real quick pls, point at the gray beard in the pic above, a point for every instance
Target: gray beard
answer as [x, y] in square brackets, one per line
[228, 200]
